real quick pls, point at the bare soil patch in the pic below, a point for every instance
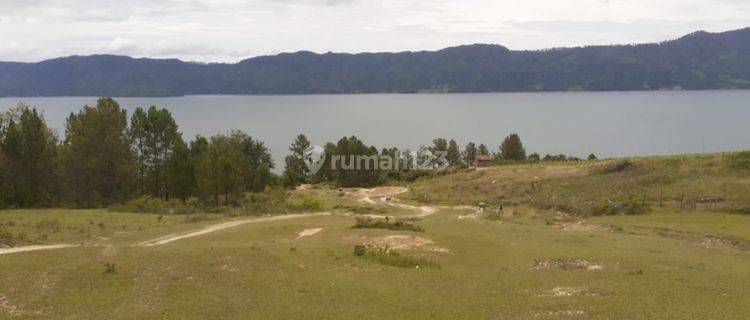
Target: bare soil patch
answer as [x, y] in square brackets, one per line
[226, 225]
[8, 308]
[561, 313]
[399, 242]
[308, 232]
[35, 248]
[568, 264]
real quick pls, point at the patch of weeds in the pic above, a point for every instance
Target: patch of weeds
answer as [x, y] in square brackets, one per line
[386, 256]
[148, 204]
[630, 206]
[360, 209]
[740, 160]
[493, 215]
[368, 223]
[49, 225]
[7, 239]
[194, 218]
[614, 167]
[110, 268]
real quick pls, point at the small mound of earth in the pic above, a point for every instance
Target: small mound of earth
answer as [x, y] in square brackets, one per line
[308, 232]
[9, 308]
[566, 292]
[407, 242]
[468, 216]
[581, 226]
[567, 264]
[712, 242]
[561, 292]
[565, 313]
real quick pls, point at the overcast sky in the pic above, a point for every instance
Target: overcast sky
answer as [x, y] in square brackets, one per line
[231, 30]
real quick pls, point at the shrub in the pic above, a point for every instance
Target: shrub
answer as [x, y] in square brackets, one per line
[49, 225]
[386, 256]
[194, 218]
[149, 204]
[369, 223]
[615, 166]
[110, 268]
[627, 207]
[305, 204]
[740, 160]
[361, 209]
[7, 239]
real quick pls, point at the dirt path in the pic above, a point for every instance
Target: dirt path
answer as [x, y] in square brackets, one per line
[213, 228]
[366, 195]
[35, 248]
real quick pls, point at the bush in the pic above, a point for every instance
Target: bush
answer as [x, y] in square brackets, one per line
[740, 160]
[149, 204]
[277, 200]
[110, 268]
[7, 239]
[627, 207]
[614, 167]
[368, 223]
[305, 204]
[49, 225]
[194, 218]
[386, 256]
[361, 209]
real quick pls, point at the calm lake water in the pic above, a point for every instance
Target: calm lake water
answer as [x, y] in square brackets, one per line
[608, 124]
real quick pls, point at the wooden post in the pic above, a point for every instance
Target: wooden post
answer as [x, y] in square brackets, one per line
[682, 201]
[661, 197]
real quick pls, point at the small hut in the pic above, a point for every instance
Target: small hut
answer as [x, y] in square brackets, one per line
[482, 160]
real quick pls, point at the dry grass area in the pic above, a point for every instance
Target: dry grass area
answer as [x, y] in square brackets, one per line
[711, 182]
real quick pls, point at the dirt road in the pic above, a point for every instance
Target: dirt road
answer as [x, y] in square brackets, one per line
[35, 248]
[213, 228]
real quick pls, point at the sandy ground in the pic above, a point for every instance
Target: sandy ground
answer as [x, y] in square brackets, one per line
[308, 232]
[35, 248]
[222, 226]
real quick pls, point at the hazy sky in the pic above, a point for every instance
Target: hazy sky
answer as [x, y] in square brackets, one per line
[231, 30]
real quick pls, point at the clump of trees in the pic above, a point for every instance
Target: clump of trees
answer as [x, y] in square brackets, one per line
[106, 158]
[412, 165]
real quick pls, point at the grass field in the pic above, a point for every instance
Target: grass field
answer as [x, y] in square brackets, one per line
[529, 261]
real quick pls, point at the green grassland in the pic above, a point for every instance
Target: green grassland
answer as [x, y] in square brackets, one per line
[678, 261]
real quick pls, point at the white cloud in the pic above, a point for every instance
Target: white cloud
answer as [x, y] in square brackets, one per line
[230, 30]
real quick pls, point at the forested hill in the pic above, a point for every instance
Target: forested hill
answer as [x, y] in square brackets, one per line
[700, 60]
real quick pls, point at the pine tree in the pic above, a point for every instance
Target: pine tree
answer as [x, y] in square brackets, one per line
[154, 135]
[97, 158]
[220, 171]
[512, 148]
[181, 171]
[470, 153]
[454, 154]
[483, 150]
[296, 171]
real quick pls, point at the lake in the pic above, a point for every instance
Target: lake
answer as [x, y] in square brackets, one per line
[609, 124]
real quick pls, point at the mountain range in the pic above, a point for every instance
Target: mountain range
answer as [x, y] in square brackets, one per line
[697, 61]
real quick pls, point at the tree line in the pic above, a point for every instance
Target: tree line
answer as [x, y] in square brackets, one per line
[297, 171]
[106, 157]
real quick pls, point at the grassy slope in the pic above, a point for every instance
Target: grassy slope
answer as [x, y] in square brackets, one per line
[576, 186]
[261, 271]
[250, 272]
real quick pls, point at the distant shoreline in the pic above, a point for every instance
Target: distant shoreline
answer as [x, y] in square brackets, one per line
[384, 93]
